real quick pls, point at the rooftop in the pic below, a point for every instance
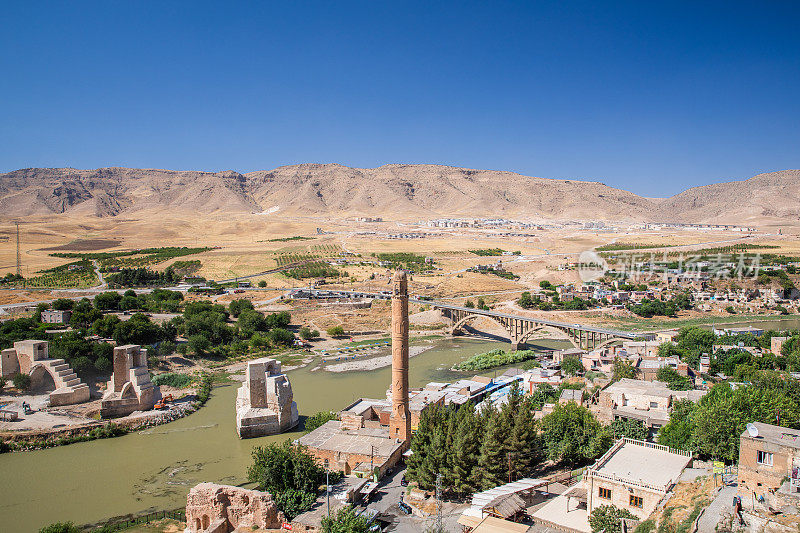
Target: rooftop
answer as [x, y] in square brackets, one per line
[635, 386]
[362, 441]
[776, 435]
[641, 463]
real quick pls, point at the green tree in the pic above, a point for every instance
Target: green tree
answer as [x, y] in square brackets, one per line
[607, 518]
[107, 301]
[82, 366]
[677, 433]
[237, 306]
[104, 326]
[262, 283]
[629, 428]
[316, 420]
[307, 333]
[345, 520]
[280, 337]
[279, 467]
[673, 379]
[63, 304]
[493, 459]
[335, 331]
[138, 329]
[572, 434]
[22, 381]
[102, 364]
[623, 368]
[200, 345]
[571, 366]
[294, 502]
[469, 304]
[250, 321]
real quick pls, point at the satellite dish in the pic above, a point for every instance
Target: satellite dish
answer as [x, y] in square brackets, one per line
[752, 430]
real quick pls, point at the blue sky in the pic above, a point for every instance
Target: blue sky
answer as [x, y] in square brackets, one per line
[646, 96]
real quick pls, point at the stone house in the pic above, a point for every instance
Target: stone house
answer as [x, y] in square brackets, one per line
[50, 316]
[634, 475]
[769, 465]
[648, 401]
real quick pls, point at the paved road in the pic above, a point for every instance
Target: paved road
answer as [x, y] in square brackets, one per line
[721, 505]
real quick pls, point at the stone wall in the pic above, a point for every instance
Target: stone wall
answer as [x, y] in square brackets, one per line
[212, 508]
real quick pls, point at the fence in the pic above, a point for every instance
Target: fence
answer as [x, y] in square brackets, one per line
[121, 524]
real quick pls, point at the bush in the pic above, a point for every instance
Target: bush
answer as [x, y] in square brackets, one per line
[606, 518]
[316, 420]
[294, 502]
[82, 365]
[262, 283]
[308, 333]
[345, 521]
[280, 337]
[495, 358]
[335, 331]
[172, 379]
[22, 381]
[102, 364]
[61, 527]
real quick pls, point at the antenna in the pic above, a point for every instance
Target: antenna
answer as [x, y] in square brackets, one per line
[19, 260]
[752, 430]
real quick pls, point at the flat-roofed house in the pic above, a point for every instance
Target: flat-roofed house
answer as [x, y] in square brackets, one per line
[769, 464]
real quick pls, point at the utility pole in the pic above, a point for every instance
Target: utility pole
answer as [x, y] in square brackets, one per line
[19, 258]
[509, 467]
[328, 486]
[439, 503]
[371, 456]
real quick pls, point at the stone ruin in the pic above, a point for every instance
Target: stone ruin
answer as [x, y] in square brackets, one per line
[264, 402]
[32, 357]
[212, 508]
[130, 388]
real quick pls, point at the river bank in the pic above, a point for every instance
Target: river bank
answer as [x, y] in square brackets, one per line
[154, 468]
[37, 439]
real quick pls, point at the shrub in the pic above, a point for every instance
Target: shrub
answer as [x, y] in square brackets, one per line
[335, 331]
[293, 502]
[102, 364]
[2, 383]
[82, 365]
[61, 527]
[262, 283]
[316, 420]
[308, 333]
[22, 381]
[172, 379]
[606, 518]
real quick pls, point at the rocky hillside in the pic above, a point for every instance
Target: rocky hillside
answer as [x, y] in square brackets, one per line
[392, 191]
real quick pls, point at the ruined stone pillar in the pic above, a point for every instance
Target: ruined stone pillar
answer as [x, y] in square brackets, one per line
[400, 420]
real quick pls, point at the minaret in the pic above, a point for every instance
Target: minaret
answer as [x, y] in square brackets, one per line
[400, 420]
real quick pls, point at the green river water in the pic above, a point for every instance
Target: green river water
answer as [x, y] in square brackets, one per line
[155, 468]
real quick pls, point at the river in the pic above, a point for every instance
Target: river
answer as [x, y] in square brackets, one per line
[155, 468]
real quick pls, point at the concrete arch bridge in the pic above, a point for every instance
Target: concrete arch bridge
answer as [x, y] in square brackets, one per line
[520, 328]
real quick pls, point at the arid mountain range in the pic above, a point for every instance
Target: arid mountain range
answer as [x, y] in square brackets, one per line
[395, 192]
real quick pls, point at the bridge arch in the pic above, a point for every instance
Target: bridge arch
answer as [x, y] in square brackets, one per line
[42, 378]
[563, 335]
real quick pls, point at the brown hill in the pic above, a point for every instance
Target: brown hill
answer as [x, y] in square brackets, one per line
[408, 192]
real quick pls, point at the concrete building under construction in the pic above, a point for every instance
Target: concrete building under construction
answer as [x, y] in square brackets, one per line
[362, 442]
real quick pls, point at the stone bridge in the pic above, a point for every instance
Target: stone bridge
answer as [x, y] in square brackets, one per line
[520, 328]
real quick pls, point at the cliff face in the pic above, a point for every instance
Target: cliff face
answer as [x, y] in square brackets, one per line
[391, 191]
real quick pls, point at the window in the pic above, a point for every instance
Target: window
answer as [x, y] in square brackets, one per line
[604, 493]
[653, 405]
[636, 501]
[764, 458]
